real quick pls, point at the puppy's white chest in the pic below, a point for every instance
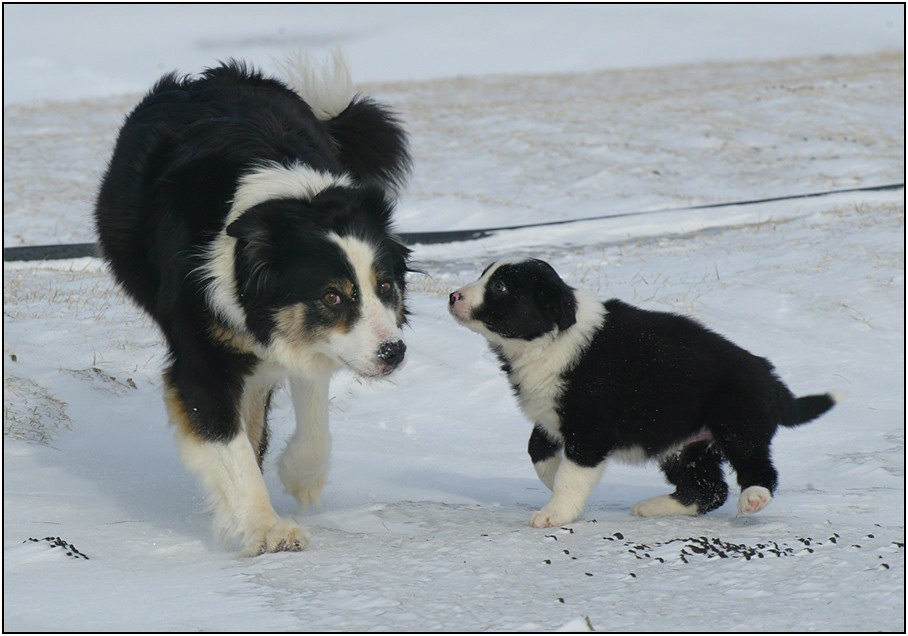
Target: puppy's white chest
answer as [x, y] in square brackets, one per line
[538, 395]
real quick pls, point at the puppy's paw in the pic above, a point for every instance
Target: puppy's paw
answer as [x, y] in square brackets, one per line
[662, 506]
[551, 517]
[281, 536]
[753, 499]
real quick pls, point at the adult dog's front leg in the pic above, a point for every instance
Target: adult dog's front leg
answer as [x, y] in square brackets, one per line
[303, 468]
[233, 482]
[572, 487]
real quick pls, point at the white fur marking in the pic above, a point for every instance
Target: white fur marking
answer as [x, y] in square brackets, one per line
[238, 496]
[547, 468]
[303, 467]
[377, 324]
[753, 499]
[662, 506]
[538, 366]
[266, 181]
[572, 487]
[629, 455]
[326, 88]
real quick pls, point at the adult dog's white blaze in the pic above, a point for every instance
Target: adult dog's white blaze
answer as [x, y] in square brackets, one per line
[377, 323]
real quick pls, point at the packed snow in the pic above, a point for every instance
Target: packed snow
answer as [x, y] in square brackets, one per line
[424, 524]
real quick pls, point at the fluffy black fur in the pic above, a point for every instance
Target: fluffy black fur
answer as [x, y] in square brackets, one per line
[644, 381]
[169, 186]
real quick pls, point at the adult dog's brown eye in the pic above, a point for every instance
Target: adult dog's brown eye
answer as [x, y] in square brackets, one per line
[384, 288]
[332, 299]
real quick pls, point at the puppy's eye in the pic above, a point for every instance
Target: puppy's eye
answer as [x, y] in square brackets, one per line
[332, 299]
[384, 289]
[499, 287]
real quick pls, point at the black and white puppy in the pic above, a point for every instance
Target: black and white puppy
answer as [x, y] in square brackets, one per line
[251, 218]
[610, 381]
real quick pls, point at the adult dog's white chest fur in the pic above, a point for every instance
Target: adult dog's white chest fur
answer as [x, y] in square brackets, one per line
[537, 367]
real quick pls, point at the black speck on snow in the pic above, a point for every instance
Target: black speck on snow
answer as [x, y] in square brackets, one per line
[618, 536]
[588, 573]
[560, 600]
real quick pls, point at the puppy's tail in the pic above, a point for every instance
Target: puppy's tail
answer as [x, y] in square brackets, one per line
[369, 138]
[810, 407]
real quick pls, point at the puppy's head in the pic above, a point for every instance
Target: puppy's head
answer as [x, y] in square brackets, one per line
[515, 300]
[323, 277]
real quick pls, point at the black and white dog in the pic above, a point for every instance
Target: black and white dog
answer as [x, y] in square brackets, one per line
[250, 217]
[611, 381]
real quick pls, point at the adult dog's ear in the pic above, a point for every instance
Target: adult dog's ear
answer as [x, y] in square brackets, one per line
[250, 227]
[256, 247]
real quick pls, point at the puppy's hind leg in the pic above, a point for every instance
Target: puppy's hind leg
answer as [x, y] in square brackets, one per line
[756, 474]
[696, 473]
[303, 467]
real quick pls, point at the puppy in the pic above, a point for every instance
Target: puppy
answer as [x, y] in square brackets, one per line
[251, 218]
[611, 381]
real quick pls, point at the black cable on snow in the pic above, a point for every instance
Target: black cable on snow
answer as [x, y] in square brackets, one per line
[79, 250]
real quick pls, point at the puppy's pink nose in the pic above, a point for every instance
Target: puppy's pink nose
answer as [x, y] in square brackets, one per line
[455, 296]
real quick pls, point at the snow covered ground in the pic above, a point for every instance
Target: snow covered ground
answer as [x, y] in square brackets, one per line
[425, 518]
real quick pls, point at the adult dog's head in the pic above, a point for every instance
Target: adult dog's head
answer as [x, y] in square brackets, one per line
[515, 300]
[307, 265]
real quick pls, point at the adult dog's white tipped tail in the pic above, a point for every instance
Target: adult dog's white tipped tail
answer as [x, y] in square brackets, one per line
[327, 88]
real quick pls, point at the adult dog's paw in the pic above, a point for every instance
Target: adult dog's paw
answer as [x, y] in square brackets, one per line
[281, 536]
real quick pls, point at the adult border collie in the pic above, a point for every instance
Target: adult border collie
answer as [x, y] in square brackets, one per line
[250, 217]
[611, 381]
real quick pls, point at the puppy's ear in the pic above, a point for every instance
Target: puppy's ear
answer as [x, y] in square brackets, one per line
[567, 314]
[556, 297]
[558, 304]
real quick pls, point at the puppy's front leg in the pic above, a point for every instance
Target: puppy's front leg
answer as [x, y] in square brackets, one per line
[572, 487]
[546, 456]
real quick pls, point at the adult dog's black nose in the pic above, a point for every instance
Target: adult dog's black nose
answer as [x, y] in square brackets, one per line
[392, 353]
[454, 297]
